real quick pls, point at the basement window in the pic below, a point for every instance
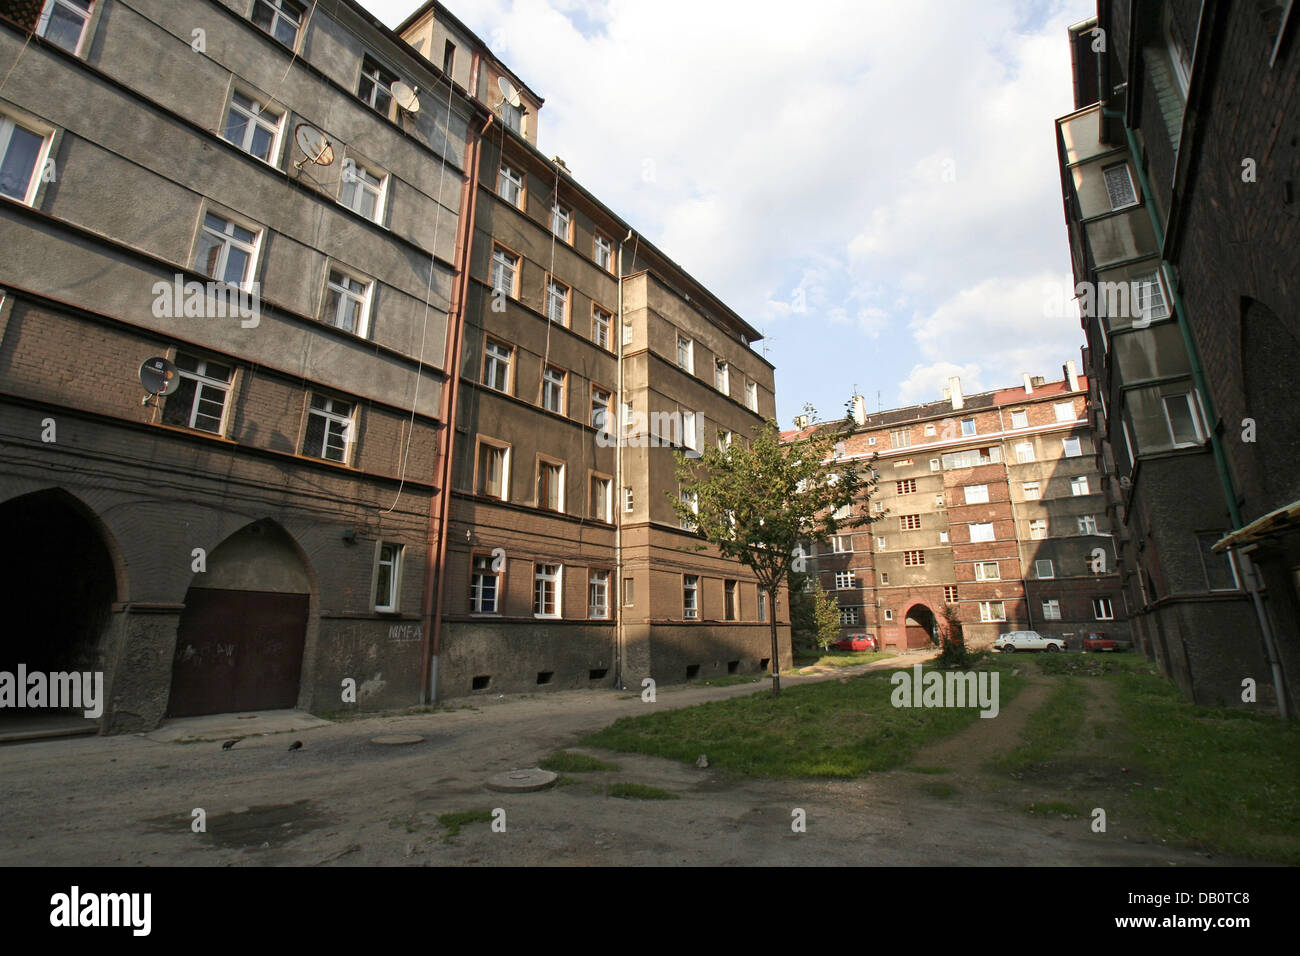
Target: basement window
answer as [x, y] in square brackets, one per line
[481, 682]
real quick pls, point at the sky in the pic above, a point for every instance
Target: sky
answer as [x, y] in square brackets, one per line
[872, 185]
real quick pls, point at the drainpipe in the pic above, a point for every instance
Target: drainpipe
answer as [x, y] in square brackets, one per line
[617, 411]
[431, 622]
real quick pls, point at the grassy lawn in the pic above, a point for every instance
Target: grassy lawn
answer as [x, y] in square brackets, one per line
[830, 729]
[566, 761]
[834, 658]
[1051, 729]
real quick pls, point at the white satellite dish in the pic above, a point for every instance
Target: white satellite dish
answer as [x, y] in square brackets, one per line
[315, 147]
[405, 96]
[508, 92]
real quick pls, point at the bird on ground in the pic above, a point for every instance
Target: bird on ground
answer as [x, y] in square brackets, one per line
[229, 743]
[296, 745]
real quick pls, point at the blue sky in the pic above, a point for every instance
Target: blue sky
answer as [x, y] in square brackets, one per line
[872, 185]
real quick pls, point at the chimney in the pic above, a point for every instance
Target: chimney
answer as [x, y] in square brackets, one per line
[859, 409]
[1037, 381]
[1071, 375]
[1029, 386]
[954, 392]
[801, 422]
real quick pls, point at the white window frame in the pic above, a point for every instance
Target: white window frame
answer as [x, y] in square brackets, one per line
[914, 558]
[510, 185]
[557, 291]
[1079, 486]
[556, 480]
[1037, 490]
[1038, 568]
[686, 350]
[1069, 443]
[629, 499]
[981, 534]
[494, 362]
[203, 381]
[1052, 609]
[983, 574]
[967, 421]
[1034, 527]
[1098, 603]
[1064, 411]
[477, 578]
[1025, 452]
[553, 387]
[976, 494]
[255, 118]
[842, 544]
[47, 14]
[887, 614]
[394, 563]
[692, 500]
[331, 417]
[605, 514]
[988, 614]
[8, 124]
[722, 376]
[505, 469]
[598, 594]
[848, 617]
[355, 188]
[1087, 524]
[751, 396]
[228, 241]
[345, 295]
[380, 89]
[691, 590]
[1020, 419]
[278, 14]
[601, 323]
[505, 263]
[561, 216]
[602, 252]
[1193, 410]
[601, 401]
[1146, 282]
[1112, 192]
[541, 579]
[845, 580]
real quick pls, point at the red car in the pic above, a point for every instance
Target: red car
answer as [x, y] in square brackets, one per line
[1099, 641]
[856, 642]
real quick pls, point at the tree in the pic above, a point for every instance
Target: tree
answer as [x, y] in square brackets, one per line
[756, 503]
[952, 640]
[826, 615]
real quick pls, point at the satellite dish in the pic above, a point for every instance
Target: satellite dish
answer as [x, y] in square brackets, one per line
[158, 376]
[405, 96]
[508, 92]
[315, 147]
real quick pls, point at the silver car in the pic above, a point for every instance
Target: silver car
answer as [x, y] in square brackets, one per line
[1027, 641]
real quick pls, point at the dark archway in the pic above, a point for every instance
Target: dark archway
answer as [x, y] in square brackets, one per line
[921, 626]
[239, 645]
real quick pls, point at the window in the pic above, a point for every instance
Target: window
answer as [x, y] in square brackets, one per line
[484, 585]
[493, 470]
[845, 580]
[496, 365]
[913, 557]
[731, 600]
[722, 376]
[751, 396]
[510, 186]
[884, 577]
[557, 302]
[849, 616]
[546, 590]
[1079, 485]
[627, 334]
[21, 153]
[992, 611]
[253, 128]
[685, 353]
[598, 594]
[976, 494]
[600, 322]
[1064, 411]
[949, 594]
[973, 457]
[550, 485]
[1038, 529]
[1071, 448]
[602, 498]
[347, 303]
[909, 522]
[513, 116]
[388, 572]
[690, 432]
[63, 23]
[982, 531]
[842, 543]
[1024, 452]
[1119, 186]
[762, 604]
[887, 614]
[561, 221]
[1019, 419]
[1150, 302]
[1181, 418]
[373, 88]
[200, 400]
[629, 592]
[553, 380]
[871, 440]
[280, 18]
[1032, 491]
[692, 501]
[448, 58]
[1052, 610]
[691, 596]
[628, 500]
[934, 464]
[929, 430]
[943, 537]
[603, 252]
[987, 571]
[329, 428]
[600, 400]
[363, 191]
[968, 426]
[1087, 524]
[725, 438]
[903, 463]
[905, 487]
[900, 438]
[1102, 610]
[878, 506]
[227, 251]
[1220, 572]
[505, 272]
[880, 543]
[1044, 569]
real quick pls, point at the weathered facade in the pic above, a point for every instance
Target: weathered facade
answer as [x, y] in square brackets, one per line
[1178, 169]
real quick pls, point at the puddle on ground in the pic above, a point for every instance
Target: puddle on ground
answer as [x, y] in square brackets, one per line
[251, 828]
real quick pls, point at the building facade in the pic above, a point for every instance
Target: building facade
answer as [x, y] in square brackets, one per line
[990, 504]
[1177, 170]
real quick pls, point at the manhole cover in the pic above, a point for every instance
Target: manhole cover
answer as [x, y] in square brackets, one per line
[521, 781]
[397, 740]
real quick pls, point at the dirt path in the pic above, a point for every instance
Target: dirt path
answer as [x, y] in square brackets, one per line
[343, 800]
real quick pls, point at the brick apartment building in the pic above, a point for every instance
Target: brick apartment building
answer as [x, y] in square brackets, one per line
[991, 503]
[1178, 170]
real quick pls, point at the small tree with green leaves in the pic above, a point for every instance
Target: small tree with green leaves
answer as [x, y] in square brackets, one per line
[826, 615]
[756, 503]
[952, 641]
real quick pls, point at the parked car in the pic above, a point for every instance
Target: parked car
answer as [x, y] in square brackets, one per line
[856, 642]
[1099, 641]
[1027, 641]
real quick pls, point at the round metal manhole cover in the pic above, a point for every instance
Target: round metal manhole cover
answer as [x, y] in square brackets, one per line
[397, 740]
[521, 781]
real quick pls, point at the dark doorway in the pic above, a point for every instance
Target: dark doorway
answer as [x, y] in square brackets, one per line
[922, 629]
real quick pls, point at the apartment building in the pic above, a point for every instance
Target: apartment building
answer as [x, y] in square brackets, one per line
[1177, 172]
[238, 192]
[989, 503]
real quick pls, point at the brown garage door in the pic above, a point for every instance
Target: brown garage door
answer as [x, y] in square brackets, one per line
[237, 650]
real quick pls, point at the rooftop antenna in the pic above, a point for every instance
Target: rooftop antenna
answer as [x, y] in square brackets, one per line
[405, 97]
[314, 145]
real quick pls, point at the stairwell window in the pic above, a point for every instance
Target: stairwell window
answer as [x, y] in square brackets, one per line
[1071, 447]
[1079, 485]
[685, 353]
[722, 376]
[63, 23]
[329, 428]
[388, 574]
[1044, 569]
[1119, 186]
[987, 571]
[731, 600]
[600, 400]
[982, 531]
[751, 396]
[600, 324]
[601, 495]
[691, 500]
[602, 250]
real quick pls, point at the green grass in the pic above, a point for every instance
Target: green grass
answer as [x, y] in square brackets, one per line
[1096, 664]
[565, 761]
[832, 658]
[829, 729]
[1052, 807]
[1229, 779]
[565, 781]
[452, 822]
[639, 791]
[1051, 729]
[732, 679]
